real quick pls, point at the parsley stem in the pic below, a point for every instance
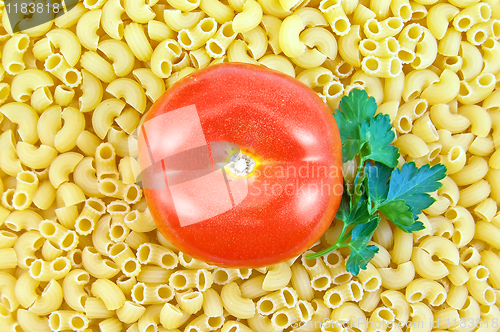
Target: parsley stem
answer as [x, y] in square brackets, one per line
[323, 252]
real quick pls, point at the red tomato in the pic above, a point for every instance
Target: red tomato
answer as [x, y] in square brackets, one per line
[277, 211]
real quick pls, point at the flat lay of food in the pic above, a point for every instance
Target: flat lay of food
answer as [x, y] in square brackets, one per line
[243, 165]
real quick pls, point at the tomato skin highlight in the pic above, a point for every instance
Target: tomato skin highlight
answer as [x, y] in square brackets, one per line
[296, 186]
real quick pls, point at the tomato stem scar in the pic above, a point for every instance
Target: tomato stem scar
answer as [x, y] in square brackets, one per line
[241, 164]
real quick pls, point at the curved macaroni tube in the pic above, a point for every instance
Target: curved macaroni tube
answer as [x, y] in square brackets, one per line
[87, 27]
[68, 44]
[443, 248]
[454, 160]
[57, 66]
[278, 63]
[49, 124]
[464, 225]
[289, 40]
[410, 36]
[416, 82]
[28, 321]
[472, 61]
[184, 5]
[311, 58]
[137, 41]
[478, 89]
[130, 312]
[272, 26]
[315, 77]
[382, 67]
[422, 318]
[129, 90]
[138, 11]
[27, 81]
[491, 51]
[194, 38]
[235, 304]
[336, 17]
[92, 92]
[488, 232]
[50, 299]
[153, 85]
[177, 20]
[444, 119]
[41, 99]
[66, 21]
[399, 277]
[9, 161]
[421, 288]
[249, 18]
[26, 246]
[7, 291]
[349, 53]
[13, 52]
[311, 17]
[277, 277]
[104, 115]
[449, 141]
[216, 9]
[426, 50]
[200, 58]
[49, 271]
[96, 265]
[322, 40]
[25, 117]
[69, 194]
[237, 52]
[121, 55]
[387, 28]
[217, 45]
[444, 90]
[449, 190]
[470, 312]
[256, 40]
[72, 285]
[63, 95]
[163, 55]
[372, 85]
[63, 165]
[74, 124]
[109, 293]
[111, 19]
[85, 177]
[362, 14]
[412, 145]
[472, 15]
[396, 301]
[100, 236]
[439, 17]
[97, 66]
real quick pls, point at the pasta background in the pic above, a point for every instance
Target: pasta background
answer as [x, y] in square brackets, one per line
[78, 248]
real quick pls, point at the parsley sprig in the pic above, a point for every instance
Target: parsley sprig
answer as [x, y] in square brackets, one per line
[379, 185]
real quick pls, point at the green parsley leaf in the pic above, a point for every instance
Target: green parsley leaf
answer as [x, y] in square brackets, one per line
[398, 212]
[416, 226]
[378, 135]
[377, 181]
[343, 210]
[411, 185]
[354, 110]
[351, 148]
[379, 186]
[361, 254]
[359, 214]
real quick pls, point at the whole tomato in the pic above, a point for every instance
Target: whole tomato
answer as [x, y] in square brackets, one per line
[241, 165]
